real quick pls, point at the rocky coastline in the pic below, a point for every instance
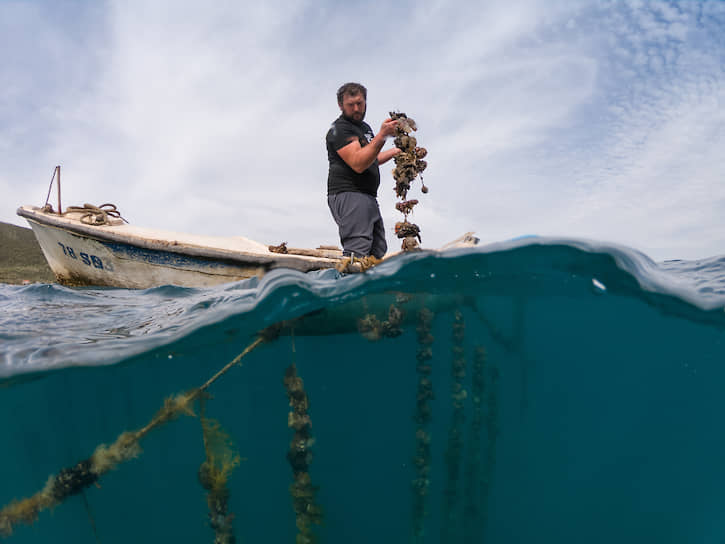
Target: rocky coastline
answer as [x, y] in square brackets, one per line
[21, 260]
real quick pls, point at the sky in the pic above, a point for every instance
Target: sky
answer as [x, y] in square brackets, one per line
[578, 119]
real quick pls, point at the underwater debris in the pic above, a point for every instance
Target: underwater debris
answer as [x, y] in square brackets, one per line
[73, 480]
[409, 164]
[214, 472]
[454, 448]
[422, 418]
[307, 512]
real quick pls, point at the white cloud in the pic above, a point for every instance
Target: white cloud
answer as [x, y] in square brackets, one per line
[581, 119]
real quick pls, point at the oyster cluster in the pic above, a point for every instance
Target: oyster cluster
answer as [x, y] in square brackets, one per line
[371, 328]
[409, 164]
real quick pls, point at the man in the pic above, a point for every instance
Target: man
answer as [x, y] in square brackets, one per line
[354, 154]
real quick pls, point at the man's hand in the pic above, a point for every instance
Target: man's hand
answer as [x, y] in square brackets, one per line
[387, 129]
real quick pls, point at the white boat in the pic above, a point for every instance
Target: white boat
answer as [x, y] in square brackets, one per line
[116, 254]
[93, 245]
[83, 252]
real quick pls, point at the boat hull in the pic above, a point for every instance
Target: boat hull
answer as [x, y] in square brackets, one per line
[80, 260]
[114, 254]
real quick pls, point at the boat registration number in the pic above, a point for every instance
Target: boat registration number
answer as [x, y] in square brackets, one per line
[89, 260]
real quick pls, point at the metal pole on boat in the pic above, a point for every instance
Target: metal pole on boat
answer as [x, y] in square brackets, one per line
[57, 171]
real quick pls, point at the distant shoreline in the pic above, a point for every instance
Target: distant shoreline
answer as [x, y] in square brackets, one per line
[21, 259]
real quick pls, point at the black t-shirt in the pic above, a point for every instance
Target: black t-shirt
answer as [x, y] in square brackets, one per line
[341, 178]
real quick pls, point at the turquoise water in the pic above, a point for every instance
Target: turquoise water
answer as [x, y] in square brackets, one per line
[604, 423]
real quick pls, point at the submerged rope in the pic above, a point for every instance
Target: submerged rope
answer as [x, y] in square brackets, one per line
[423, 416]
[91, 518]
[307, 512]
[73, 480]
[219, 462]
[454, 449]
[473, 474]
[480, 465]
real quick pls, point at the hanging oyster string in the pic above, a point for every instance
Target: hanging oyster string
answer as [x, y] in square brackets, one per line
[409, 164]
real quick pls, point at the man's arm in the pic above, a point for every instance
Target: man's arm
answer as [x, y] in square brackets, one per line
[360, 158]
[385, 156]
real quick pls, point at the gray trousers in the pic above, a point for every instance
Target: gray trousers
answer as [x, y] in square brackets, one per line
[360, 224]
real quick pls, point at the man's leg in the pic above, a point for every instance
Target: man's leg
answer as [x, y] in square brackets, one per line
[379, 246]
[354, 216]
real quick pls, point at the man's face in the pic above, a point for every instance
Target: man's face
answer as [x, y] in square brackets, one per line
[353, 107]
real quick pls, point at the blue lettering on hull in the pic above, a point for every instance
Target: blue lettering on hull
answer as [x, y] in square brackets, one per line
[85, 258]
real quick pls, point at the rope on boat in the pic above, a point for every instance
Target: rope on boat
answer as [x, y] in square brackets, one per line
[96, 215]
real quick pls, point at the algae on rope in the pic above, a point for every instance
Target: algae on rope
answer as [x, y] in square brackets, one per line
[480, 464]
[454, 450]
[307, 512]
[422, 417]
[220, 460]
[72, 480]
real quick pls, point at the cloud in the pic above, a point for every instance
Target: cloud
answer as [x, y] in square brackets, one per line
[582, 119]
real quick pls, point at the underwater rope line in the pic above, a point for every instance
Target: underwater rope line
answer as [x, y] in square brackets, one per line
[182, 400]
[479, 470]
[420, 486]
[473, 475]
[450, 514]
[219, 461]
[176, 405]
[73, 480]
[299, 456]
[233, 362]
[91, 519]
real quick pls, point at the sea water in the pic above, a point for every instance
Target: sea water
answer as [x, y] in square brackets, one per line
[599, 420]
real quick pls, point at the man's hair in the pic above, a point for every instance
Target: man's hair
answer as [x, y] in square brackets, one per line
[352, 89]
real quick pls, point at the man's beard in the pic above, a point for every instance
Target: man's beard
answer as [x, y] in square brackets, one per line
[354, 119]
